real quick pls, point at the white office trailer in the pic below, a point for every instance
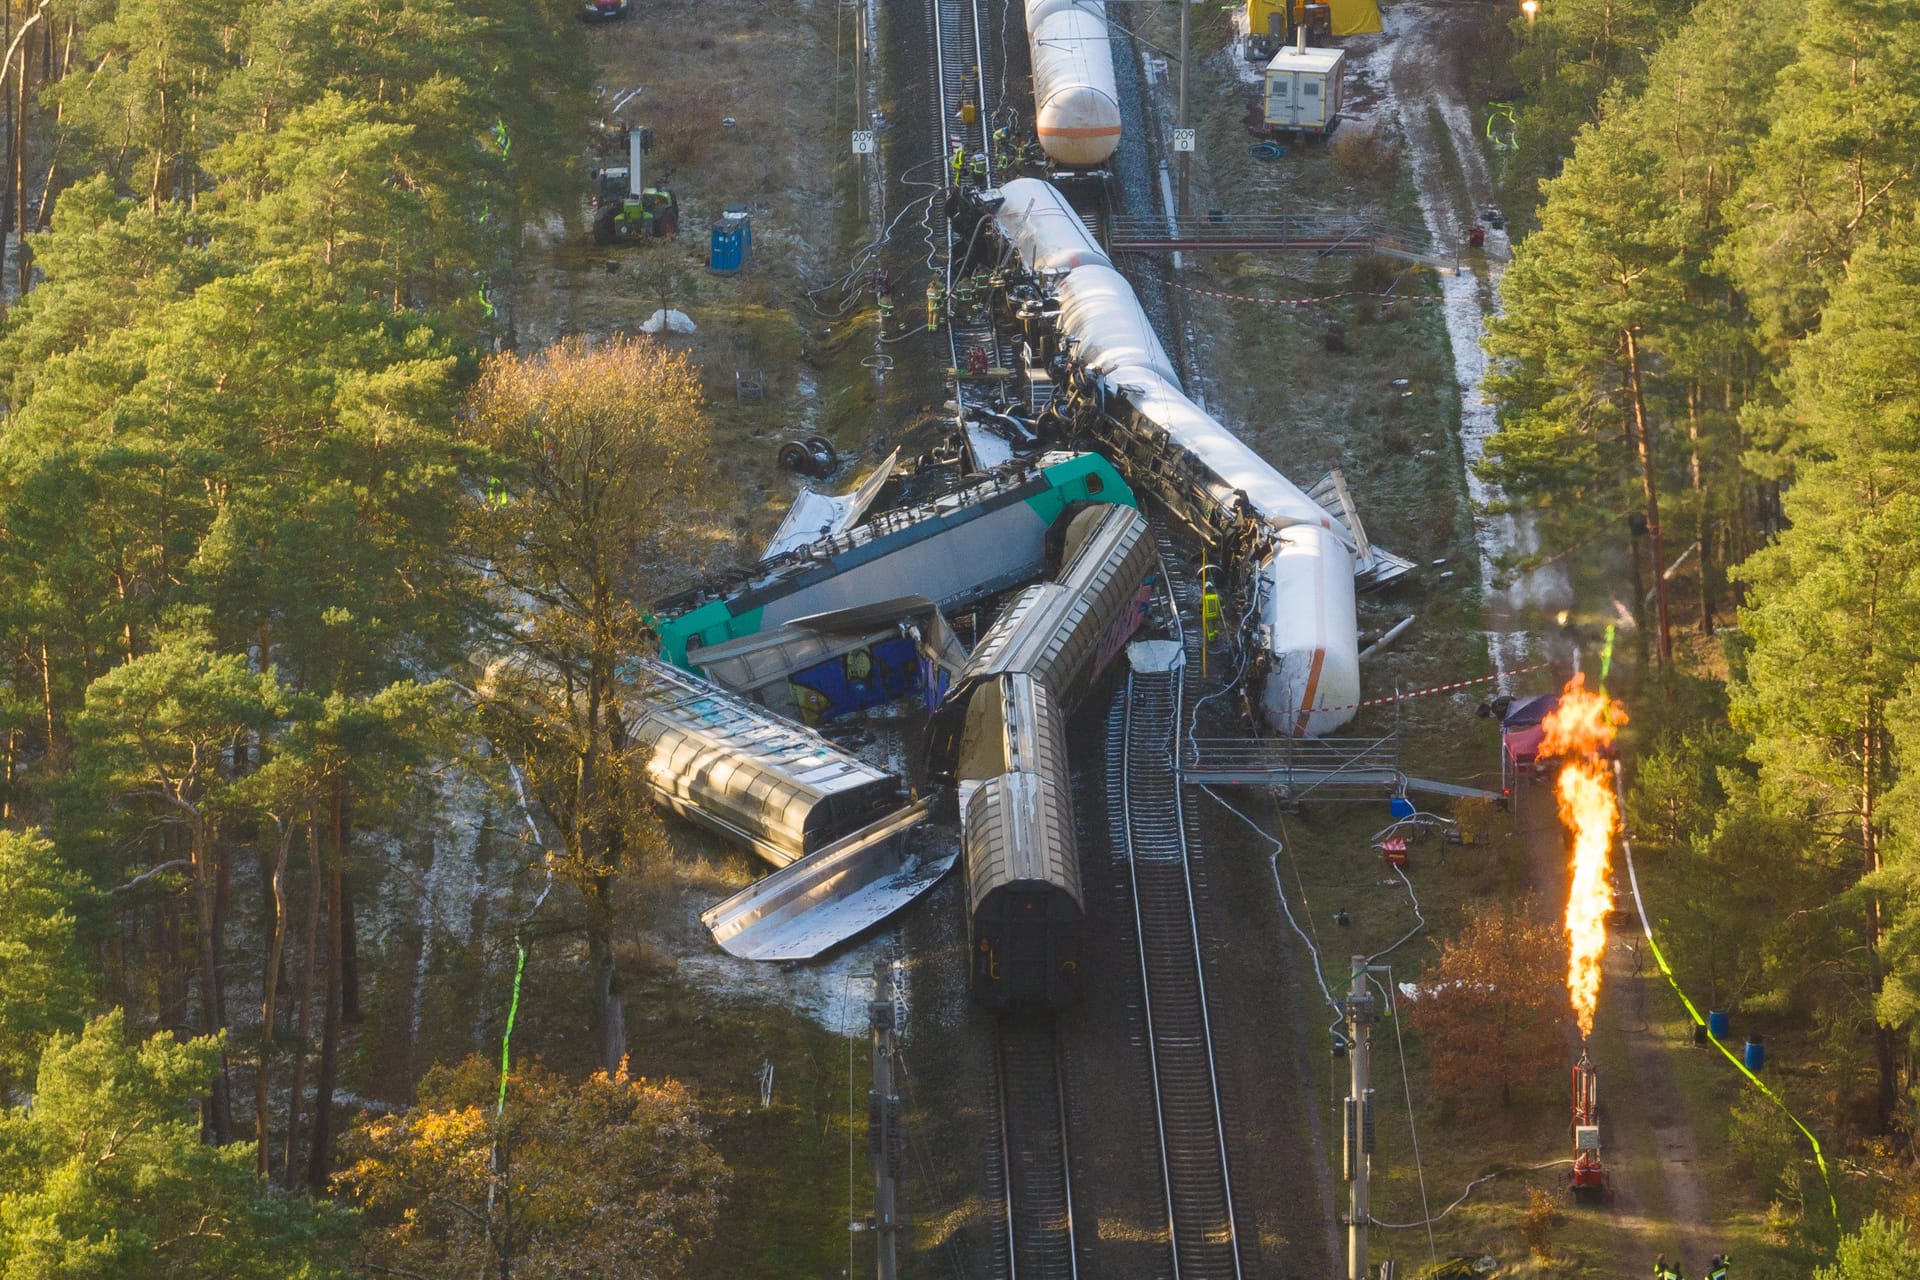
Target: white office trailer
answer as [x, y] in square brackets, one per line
[1305, 89]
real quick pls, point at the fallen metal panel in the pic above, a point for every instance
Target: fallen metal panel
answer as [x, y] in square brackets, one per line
[817, 515]
[828, 897]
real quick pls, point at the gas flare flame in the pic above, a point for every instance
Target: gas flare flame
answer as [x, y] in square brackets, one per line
[1577, 733]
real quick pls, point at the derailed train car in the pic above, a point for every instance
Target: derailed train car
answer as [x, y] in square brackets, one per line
[1000, 736]
[1296, 562]
[1025, 908]
[965, 545]
[1063, 633]
[738, 769]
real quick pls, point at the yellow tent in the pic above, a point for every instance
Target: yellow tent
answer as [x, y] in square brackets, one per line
[1355, 17]
[1350, 17]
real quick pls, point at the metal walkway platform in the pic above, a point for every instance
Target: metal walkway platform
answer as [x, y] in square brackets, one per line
[1332, 768]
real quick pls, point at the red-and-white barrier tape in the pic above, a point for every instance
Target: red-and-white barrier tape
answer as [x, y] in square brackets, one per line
[1438, 688]
[1301, 302]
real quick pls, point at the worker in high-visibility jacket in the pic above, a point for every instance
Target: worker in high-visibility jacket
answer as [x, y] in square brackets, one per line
[958, 163]
[1664, 1270]
[1717, 1267]
[1210, 614]
[936, 303]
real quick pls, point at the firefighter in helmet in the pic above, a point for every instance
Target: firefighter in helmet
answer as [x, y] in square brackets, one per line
[1664, 1270]
[1717, 1267]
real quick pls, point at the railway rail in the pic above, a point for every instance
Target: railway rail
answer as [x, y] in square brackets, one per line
[964, 77]
[1035, 1182]
[1151, 824]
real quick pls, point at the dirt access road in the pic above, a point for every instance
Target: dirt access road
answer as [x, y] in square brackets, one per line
[1414, 83]
[1662, 1199]
[1662, 1202]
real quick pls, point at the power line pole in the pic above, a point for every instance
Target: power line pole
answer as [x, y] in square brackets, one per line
[885, 1137]
[1180, 124]
[1357, 1147]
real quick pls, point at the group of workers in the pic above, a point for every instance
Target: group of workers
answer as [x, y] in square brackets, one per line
[969, 295]
[1716, 1268]
[1015, 152]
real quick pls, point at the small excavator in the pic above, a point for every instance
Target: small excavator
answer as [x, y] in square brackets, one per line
[624, 207]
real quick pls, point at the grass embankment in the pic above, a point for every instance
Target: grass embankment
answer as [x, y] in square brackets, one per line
[786, 85]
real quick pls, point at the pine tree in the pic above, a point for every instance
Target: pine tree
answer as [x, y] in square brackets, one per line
[1835, 620]
[1838, 164]
[1586, 292]
[44, 984]
[105, 1176]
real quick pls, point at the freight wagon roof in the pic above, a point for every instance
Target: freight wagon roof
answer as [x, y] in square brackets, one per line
[747, 731]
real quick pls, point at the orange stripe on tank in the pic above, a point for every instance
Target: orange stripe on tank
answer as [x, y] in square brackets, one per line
[1313, 687]
[1103, 131]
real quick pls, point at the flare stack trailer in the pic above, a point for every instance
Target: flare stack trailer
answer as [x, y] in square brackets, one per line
[1590, 1183]
[1293, 564]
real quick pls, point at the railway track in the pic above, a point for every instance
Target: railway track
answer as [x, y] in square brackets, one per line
[964, 76]
[1035, 1185]
[1151, 823]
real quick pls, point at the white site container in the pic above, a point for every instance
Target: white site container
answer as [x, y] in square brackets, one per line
[1305, 88]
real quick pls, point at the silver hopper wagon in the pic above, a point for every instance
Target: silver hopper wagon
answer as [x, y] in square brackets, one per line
[738, 769]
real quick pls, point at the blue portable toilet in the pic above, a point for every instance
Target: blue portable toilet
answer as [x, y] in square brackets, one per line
[1717, 1023]
[738, 213]
[1756, 1056]
[726, 255]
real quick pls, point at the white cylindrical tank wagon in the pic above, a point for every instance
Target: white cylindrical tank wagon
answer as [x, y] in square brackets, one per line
[1076, 109]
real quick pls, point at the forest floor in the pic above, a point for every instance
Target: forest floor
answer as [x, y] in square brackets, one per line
[774, 1055]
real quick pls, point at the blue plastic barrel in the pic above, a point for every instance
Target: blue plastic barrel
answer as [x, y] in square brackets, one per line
[1400, 807]
[1756, 1053]
[725, 254]
[1717, 1023]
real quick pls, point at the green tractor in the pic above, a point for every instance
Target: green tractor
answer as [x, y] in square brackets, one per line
[652, 213]
[624, 208]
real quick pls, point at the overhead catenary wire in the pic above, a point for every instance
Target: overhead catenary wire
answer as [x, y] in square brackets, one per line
[1413, 1128]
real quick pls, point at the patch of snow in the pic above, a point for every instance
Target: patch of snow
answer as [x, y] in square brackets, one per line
[834, 992]
[1409, 36]
[1250, 72]
[989, 450]
[447, 888]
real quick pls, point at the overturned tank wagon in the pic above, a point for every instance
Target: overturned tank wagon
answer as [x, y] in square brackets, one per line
[1292, 561]
[1025, 907]
[738, 769]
